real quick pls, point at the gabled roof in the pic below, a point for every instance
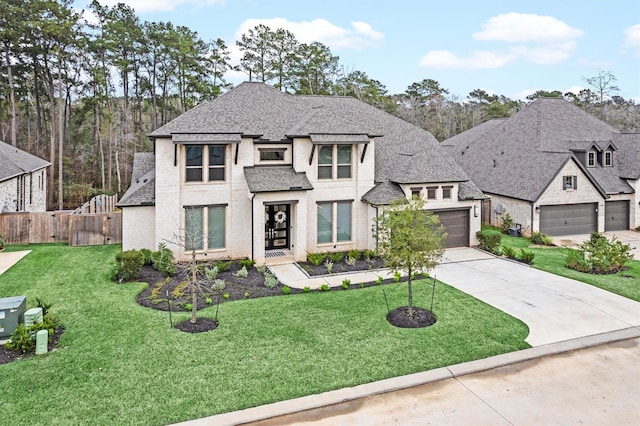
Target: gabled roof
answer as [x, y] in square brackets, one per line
[275, 179]
[519, 156]
[404, 153]
[142, 191]
[15, 162]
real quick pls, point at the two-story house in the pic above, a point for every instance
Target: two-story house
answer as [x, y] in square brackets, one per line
[259, 173]
[555, 169]
[23, 181]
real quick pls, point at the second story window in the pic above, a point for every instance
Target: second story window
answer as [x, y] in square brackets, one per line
[591, 159]
[196, 164]
[569, 182]
[272, 154]
[608, 158]
[334, 161]
[431, 192]
[446, 192]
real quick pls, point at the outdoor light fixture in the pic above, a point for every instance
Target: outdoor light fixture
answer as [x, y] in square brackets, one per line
[537, 209]
[475, 211]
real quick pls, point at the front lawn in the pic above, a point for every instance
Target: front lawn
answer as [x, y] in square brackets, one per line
[552, 259]
[120, 363]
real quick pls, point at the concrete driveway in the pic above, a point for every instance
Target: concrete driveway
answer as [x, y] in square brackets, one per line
[628, 237]
[555, 308]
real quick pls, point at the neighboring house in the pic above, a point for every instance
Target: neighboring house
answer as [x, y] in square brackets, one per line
[259, 173]
[23, 181]
[555, 169]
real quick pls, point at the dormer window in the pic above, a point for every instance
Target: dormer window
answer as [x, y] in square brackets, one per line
[608, 158]
[272, 154]
[591, 159]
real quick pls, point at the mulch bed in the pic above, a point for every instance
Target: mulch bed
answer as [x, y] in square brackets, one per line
[7, 356]
[341, 267]
[400, 317]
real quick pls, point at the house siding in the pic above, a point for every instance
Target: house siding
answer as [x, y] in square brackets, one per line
[138, 224]
[519, 210]
[34, 185]
[585, 193]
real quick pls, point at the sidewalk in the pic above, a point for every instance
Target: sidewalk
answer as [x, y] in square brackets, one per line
[8, 259]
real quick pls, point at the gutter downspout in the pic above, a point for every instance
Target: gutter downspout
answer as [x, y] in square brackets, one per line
[253, 195]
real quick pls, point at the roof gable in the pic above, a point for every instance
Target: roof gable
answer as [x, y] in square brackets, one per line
[16, 162]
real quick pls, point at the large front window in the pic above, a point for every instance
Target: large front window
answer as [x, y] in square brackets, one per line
[334, 161]
[204, 228]
[195, 163]
[334, 222]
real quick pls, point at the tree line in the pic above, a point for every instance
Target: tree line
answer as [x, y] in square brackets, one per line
[84, 91]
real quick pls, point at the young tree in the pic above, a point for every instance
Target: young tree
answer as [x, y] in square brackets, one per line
[410, 239]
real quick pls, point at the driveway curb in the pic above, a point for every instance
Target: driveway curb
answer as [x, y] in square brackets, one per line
[309, 402]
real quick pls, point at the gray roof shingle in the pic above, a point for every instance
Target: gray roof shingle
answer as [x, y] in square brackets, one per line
[519, 156]
[275, 179]
[16, 162]
[627, 157]
[142, 191]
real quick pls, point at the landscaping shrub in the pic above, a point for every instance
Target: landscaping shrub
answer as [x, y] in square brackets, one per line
[346, 283]
[270, 280]
[128, 265]
[507, 223]
[23, 339]
[368, 255]
[540, 239]
[489, 239]
[147, 256]
[510, 252]
[315, 258]
[527, 256]
[286, 290]
[325, 287]
[163, 260]
[242, 273]
[602, 256]
[350, 260]
[223, 266]
[354, 254]
[247, 263]
[336, 257]
[329, 265]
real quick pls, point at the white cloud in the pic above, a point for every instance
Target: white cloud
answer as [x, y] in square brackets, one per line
[633, 35]
[142, 6]
[361, 34]
[522, 27]
[531, 38]
[444, 59]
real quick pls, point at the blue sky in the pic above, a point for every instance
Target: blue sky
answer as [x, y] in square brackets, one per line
[509, 48]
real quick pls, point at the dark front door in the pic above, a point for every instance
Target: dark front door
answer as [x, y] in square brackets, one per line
[276, 226]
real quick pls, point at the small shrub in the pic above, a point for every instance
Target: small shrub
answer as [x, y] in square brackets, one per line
[361, 285]
[208, 301]
[211, 273]
[147, 256]
[346, 283]
[336, 257]
[225, 296]
[218, 285]
[527, 256]
[497, 250]
[188, 306]
[509, 252]
[540, 239]
[286, 290]
[223, 266]
[315, 258]
[379, 280]
[604, 256]
[350, 260]
[270, 280]
[247, 263]
[355, 254]
[489, 239]
[21, 340]
[325, 287]
[306, 289]
[242, 273]
[163, 260]
[506, 224]
[329, 265]
[179, 289]
[396, 277]
[128, 265]
[246, 294]
[262, 269]
[44, 305]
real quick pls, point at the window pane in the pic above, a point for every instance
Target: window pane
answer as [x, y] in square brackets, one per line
[344, 154]
[193, 231]
[216, 227]
[324, 223]
[194, 155]
[216, 155]
[431, 193]
[446, 192]
[344, 222]
[216, 173]
[194, 175]
[325, 154]
[344, 171]
[324, 172]
[272, 155]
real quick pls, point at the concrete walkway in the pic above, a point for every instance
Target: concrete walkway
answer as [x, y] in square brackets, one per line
[8, 259]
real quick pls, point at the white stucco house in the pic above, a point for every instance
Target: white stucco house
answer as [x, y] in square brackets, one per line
[555, 169]
[23, 181]
[259, 173]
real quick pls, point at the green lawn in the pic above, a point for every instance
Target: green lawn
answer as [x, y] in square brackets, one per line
[120, 363]
[551, 259]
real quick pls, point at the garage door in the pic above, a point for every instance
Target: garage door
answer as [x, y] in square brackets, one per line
[456, 224]
[568, 219]
[616, 215]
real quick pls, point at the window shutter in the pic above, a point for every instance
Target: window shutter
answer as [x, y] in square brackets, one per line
[575, 182]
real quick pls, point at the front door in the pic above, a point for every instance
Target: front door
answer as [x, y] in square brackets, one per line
[276, 226]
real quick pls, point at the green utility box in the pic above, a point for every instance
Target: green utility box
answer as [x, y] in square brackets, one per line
[11, 313]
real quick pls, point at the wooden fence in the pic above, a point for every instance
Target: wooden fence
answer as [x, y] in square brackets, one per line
[61, 226]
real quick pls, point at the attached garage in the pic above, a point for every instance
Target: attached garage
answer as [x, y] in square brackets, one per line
[616, 215]
[569, 219]
[456, 224]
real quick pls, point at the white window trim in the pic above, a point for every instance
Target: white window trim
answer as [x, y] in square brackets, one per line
[590, 155]
[334, 223]
[608, 162]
